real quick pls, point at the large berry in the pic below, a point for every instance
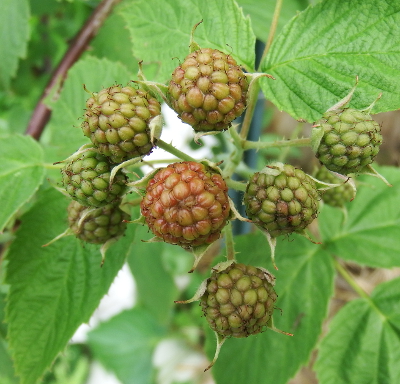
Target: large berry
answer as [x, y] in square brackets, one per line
[350, 140]
[239, 301]
[281, 199]
[99, 225]
[87, 180]
[208, 90]
[186, 204]
[337, 196]
[117, 122]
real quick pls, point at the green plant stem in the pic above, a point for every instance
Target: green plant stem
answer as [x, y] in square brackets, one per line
[239, 186]
[174, 151]
[230, 245]
[236, 156]
[252, 95]
[276, 144]
[284, 153]
[53, 166]
[274, 24]
[254, 87]
[349, 279]
[154, 162]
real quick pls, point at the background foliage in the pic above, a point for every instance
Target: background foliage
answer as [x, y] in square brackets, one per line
[46, 293]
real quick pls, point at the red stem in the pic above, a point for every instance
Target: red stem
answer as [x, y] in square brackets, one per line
[41, 114]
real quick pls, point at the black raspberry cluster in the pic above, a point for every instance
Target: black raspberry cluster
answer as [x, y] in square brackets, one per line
[187, 203]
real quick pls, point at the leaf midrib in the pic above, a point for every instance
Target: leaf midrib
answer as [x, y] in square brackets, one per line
[328, 55]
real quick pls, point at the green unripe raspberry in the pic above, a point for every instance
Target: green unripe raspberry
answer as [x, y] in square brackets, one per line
[350, 140]
[117, 121]
[239, 301]
[87, 180]
[186, 204]
[281, 199]
[337, 196]
[208, 90]
[100, 225]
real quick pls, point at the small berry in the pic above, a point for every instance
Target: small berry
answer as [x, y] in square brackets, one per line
[186, 204]
[208, 90]
[117, 122]
[87, 180]
[281, 199]
[337, 196]
[99, 225]
[350, 140]
[239, 301]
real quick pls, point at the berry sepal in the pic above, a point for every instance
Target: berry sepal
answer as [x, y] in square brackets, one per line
[139, 186]
[369, 170]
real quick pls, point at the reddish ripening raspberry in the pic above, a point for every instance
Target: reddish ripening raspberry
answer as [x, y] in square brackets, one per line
[186, 204]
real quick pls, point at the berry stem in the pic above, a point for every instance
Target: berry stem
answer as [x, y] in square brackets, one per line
[229, 243]
[236, 156]
[284, 153]
[174, 151]
[53, 166]
[154, 162]
[237, 185]
[253, 91]
[274, 24]
[277, 144]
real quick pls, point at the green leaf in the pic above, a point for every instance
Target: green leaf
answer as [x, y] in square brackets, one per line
[160, 31]
[14, 35]
[261, 12]
[304, 284]
[21, 173]
[53, 289]
[6, 365]
[363, 342]
[318, 55]
[125, 345]
[155, 286]
[63, 136]
[370, 236]
[113, 42]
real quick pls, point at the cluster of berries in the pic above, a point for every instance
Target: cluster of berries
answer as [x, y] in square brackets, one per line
[187, 203]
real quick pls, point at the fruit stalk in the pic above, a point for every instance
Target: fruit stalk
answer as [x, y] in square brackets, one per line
[303, 142]
[230, 245]
[174, 151]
